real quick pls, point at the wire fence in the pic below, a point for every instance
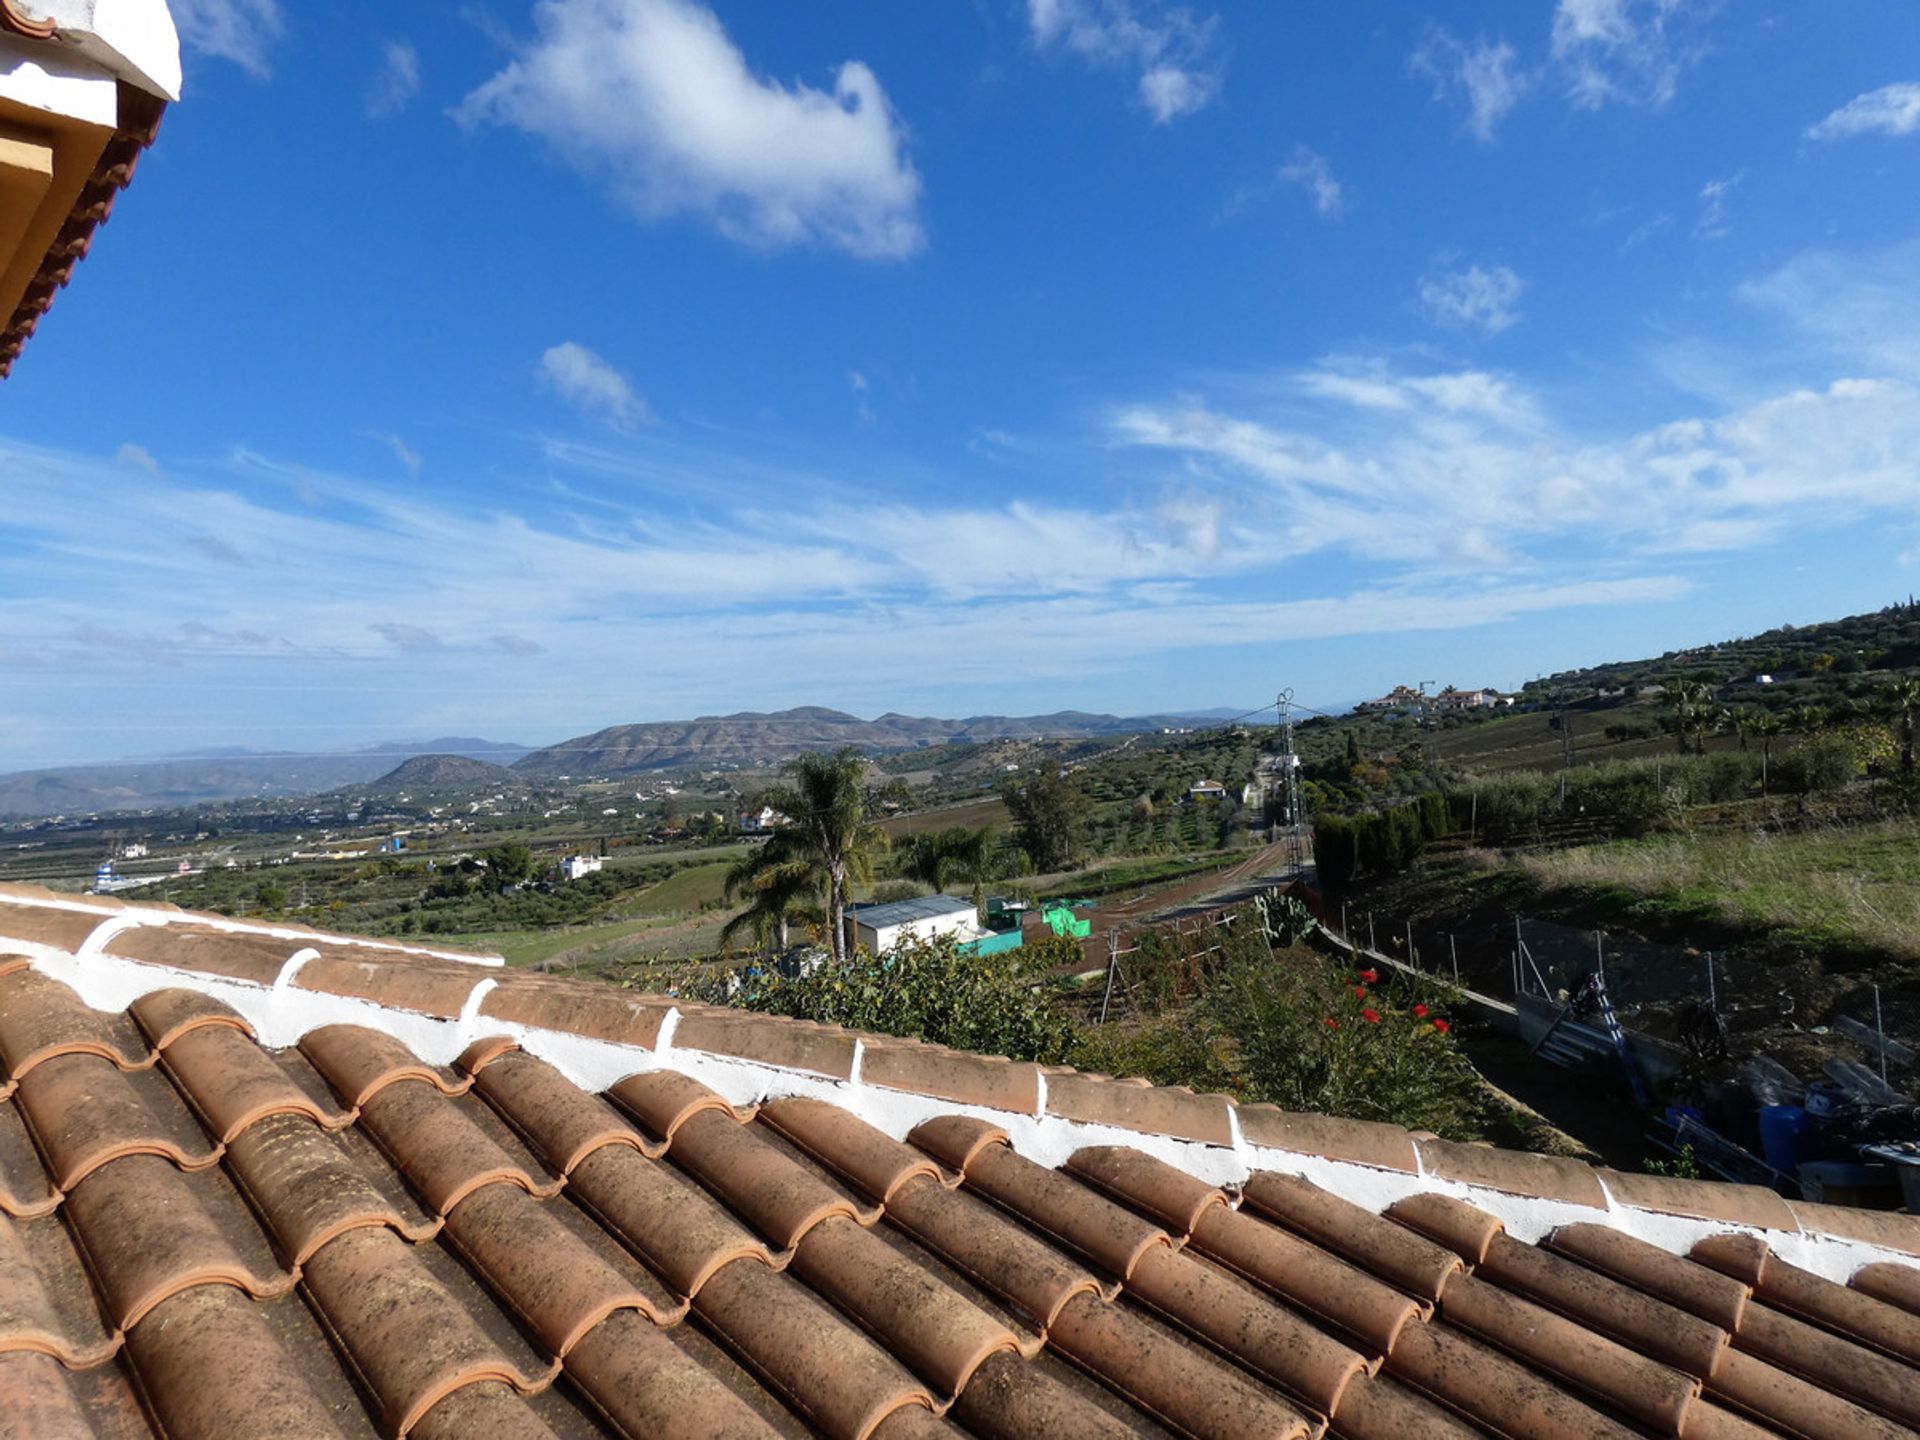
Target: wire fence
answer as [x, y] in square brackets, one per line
[1706, 1001]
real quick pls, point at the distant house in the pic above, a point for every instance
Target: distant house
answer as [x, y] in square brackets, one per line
[577, 867]
[1452, 699]
[1206, 790]
[881, 927]
[1401, 697]
[764, 823]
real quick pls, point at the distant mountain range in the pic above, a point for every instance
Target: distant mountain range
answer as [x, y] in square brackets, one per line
[168, 782]
[752, 738]
[746, 739]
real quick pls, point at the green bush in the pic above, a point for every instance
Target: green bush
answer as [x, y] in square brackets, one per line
[928, 989]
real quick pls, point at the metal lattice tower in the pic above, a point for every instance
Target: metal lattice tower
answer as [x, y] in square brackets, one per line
[1289, 762]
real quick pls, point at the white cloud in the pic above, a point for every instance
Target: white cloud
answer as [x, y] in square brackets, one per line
[137, 456]
[396, 82]
[1890, 110]
[1713, 222]
[1309, 170]
[1481, 298]
[654, 98]
[582, 378]
[409, 458]
[1176, 54]
[1483, 73]
[1864, 310]
[242, 31]
[1628, 51]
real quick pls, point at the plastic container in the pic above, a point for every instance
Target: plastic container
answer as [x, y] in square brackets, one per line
[1782, 1128]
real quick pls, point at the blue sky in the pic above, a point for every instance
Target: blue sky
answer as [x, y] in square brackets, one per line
[517, 369]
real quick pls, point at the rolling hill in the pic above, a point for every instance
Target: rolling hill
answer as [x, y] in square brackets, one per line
[443, 772]
[753, 738]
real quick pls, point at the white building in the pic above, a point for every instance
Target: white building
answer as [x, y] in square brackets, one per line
[765, 822]
[1207, 790]
[881, 927]
[576, 867]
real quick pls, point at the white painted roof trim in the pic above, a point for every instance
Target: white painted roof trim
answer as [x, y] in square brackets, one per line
[131, 40]
[281, 1016]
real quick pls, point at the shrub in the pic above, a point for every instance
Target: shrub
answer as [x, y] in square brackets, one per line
[927, 989]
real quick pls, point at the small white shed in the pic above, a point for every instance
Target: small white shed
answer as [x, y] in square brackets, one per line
[881, 927]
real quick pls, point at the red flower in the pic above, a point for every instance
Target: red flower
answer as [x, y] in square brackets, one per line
[1329, 1022]
[1419, 1012]
[1372, 1017]
[1371, 977]
[1359, 992]
[1442, 1026]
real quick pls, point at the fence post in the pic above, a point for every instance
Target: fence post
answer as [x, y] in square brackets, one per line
[1113, 965]
[1413, 956]
[1454, 951]
[1371, 945]
[1880, 1032]
[1713, 994]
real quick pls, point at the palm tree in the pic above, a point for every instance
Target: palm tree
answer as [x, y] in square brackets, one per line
[1901, 696]
[1691, 703]
[828, 835]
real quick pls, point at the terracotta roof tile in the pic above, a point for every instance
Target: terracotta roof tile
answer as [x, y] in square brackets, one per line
[165, 1015]
[1545, 1177]
[359, 1063]
[1708, 1200]
[84, 1113]
[45, 925]
[1693, 1288]
[1365, 1142]
[398, 981]
[442, 1151]
[1396, 1255]
[1156, 1109]
[1185, 1388]
[954, 1075]
[1174, 1198]
[1896, 1284]
[769, 1039]
[559, 1121]
[232, 1083]
[231, 955]
[869, 1159]
[1873, 1227]
[577, 1007]
[934, 1331]
[654, 1260]
[41, 1018]
[664, 1100]
[777, 1196]
[307, 1189]
[1109, 1235]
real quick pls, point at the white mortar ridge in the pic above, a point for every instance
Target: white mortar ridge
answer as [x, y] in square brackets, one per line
[282, 1016]
[132, 916]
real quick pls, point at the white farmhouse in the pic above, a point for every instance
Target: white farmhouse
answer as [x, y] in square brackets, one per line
[577, 867]
[881, 927]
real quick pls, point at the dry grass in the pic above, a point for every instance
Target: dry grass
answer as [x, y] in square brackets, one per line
[1859, 885]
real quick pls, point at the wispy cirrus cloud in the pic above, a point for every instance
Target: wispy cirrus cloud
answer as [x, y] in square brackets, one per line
[396, 82]
[1892, 110]
[1175, 55]
[653, 99]
[243, 31]
[1475, 297]
[591, 384]
[1483, 73]
[1627, 51]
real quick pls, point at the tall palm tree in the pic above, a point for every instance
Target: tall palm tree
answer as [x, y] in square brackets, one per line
[1901, 696]
[828, 833]
[1691, 703]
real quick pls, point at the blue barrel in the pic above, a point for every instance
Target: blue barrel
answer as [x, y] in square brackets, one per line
[1781, 1127]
